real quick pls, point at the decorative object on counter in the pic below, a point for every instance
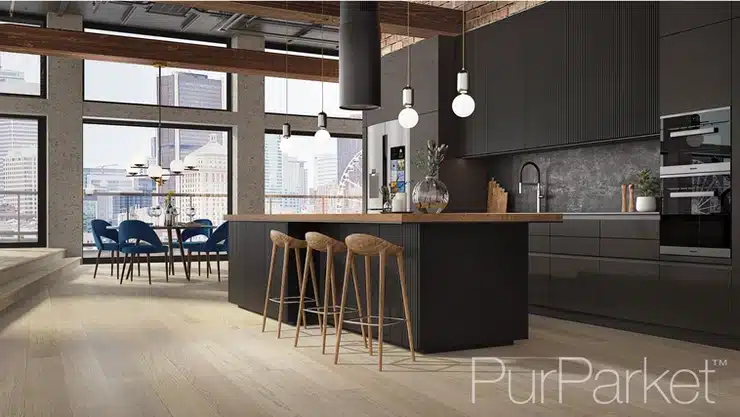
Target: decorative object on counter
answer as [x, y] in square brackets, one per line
[624, 198]
[631, 188]
[647, 189]
[399, 203]
[170, 212]
[497, 197]
[431, 195]
[385, 191]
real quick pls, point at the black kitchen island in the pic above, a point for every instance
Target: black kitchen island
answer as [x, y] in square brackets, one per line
[466, 272]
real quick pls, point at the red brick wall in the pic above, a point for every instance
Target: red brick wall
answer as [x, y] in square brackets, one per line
[478, 13]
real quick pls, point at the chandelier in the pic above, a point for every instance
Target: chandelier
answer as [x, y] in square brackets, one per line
[139, 166]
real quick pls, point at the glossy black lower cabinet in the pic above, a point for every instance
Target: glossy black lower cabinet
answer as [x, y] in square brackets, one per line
[695, 297]
[539, 279]
[573, 283]
[628, 290]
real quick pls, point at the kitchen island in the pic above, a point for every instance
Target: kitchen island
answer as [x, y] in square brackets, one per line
[466, 272]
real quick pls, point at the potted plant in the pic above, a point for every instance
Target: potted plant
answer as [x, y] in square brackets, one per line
[431, 195]
[648, 188]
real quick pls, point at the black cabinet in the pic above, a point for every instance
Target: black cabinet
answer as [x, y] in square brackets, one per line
[539, 279]
[628, 289]
[736, 171]
[474, 126]
[505, 89]
[679, 16]
[695, 69]
[573, 283]
[694, 297]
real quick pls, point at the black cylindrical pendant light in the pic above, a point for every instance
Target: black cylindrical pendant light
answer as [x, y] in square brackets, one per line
[359, 55]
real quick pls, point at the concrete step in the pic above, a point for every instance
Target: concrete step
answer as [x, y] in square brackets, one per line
[18, 263]
[47, 272]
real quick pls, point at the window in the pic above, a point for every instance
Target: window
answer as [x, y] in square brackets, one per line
[113, 196]
[303, 96]
[21, 74]
[138, 84]
[22, 180]
[303, 176]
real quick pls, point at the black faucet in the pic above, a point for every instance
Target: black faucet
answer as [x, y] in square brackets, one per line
[537, 184]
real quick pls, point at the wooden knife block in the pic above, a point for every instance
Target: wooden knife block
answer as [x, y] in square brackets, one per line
[497, 198]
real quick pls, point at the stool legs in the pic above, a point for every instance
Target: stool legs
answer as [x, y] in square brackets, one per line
[269, 283]
[329, 288]
[283, 281]
[350, 258]
[406, 311]
[357, 300]
[368, 300]
[381, 307]
[300, 279]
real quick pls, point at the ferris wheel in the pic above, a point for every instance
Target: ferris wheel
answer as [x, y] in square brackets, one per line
[351, 181]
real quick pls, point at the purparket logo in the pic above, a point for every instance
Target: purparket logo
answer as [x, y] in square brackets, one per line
[533, 380]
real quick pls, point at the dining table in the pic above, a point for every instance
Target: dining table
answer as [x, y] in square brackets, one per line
[178, 228]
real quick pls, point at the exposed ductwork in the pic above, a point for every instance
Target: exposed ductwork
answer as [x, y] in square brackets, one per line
[359, 55]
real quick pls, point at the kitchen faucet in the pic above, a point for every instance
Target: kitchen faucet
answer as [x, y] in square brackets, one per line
[539, 186]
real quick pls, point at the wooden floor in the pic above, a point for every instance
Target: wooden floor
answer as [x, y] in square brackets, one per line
[95, 348]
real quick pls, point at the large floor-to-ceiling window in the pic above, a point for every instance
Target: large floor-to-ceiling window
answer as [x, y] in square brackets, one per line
[113, 195]
[22, 74]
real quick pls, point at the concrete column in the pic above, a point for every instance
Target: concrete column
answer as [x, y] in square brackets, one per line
[64, 145]
[248, 147]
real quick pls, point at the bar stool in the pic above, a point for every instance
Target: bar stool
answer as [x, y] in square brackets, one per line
[325, 244]
[281, 240]
[368, 246]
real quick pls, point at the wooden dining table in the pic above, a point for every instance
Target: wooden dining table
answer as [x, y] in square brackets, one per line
[177, 227]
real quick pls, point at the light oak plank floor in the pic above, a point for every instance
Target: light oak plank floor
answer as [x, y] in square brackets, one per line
[91, 347]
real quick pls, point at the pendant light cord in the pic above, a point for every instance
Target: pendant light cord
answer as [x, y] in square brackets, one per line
[159, 109]
[286, 67]
[322, 56]
[463, 36]
[408, 36]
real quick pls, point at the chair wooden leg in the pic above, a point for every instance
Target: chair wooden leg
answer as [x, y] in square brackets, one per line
[208, 264]
[123, 272]
[190, 259]
[358, 300]
[368, 303]
[97, 260]
[218, 267]
[302, 298]
[118, 263]
[381, 306]
[269, 283]
[298, 268]
[138, 265]
[328, 288]
[405, 298]
[283, 284]
[198, 263]
[166, 267]
[338, 324]
[131, 267]
[111, 262]
[149, 268]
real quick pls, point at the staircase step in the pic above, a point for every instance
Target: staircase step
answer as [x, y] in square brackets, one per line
[21, 262]
[27, 286]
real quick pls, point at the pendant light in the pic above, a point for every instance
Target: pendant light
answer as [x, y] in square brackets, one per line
[322, 133]
[463, 105]
[286, 126]
[408, 117]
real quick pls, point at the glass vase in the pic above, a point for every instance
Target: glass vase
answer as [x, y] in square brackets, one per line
[430, 196]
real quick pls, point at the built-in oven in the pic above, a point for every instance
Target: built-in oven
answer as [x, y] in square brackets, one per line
[695, 182]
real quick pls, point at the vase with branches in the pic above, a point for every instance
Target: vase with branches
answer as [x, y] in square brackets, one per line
[431, 194]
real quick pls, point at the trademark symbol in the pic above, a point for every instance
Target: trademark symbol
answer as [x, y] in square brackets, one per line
[719, 362]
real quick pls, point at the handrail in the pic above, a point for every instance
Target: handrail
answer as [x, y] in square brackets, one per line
[14, 192]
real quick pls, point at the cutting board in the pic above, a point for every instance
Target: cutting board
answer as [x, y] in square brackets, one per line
[497, 198]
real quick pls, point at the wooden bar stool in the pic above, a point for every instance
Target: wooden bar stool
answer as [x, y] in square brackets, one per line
[281, 240]
[325, 244]
[368, 246]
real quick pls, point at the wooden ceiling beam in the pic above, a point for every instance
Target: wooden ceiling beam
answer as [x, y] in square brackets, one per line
[426, 21]
[87, 45]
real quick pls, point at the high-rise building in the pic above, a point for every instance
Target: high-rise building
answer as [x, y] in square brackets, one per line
[20, 173]
[295, 181]
[14, 82]
[347, 149]
[211, 177]
[16, 134]
[273, 172]
[113, 179]
[185, 89]
[325, 170]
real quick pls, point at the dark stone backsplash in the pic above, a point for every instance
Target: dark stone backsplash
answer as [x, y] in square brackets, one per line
[584, 179]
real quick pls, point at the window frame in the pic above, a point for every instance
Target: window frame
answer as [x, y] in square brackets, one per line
[43, 208]
[43, 78]
[152, 32]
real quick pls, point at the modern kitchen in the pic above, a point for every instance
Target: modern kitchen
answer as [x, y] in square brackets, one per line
[598, 112]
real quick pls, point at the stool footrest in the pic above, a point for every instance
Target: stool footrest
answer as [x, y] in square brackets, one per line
[373, 320]
[292, 300]
[330, 310]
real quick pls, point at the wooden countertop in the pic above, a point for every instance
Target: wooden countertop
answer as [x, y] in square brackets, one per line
[400, 218]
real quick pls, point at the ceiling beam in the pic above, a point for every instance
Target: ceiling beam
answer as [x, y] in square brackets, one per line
[426, 21]
[87, 45]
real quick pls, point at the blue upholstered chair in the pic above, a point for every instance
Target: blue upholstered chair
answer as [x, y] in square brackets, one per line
[146, 243]
[105, 239]
[216, 243]
[192, 232]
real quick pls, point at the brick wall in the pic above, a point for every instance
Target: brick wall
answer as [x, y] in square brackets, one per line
[478, 13]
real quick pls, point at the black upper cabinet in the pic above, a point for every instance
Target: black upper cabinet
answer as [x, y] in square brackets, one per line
[679, 16]
[695, 69]
[544, 40]
[474, 138]
[505, 90]
[736, 171]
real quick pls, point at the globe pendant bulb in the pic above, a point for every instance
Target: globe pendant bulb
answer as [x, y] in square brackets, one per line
[322, 134]
[463, 105]
[408, 117]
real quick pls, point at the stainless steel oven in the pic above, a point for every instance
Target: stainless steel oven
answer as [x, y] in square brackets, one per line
[695, 181]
